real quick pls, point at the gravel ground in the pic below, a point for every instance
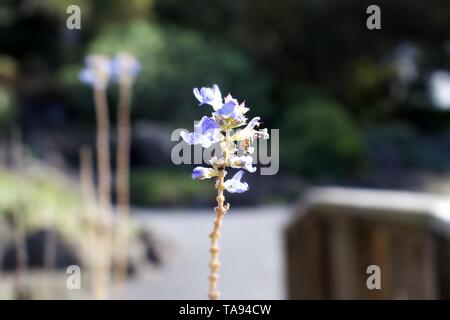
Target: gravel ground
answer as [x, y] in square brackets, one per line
[252, 254]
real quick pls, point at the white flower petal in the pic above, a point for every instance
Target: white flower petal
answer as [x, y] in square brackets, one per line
[234, 185]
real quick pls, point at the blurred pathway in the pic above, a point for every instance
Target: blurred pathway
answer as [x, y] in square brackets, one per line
[252, 254]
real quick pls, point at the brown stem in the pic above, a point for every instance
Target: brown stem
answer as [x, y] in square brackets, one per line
[104, 192]
[214, 235]
[104, 166]
[122, 186]
[91, 209]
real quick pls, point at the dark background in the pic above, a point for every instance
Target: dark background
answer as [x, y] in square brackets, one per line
[354, 106]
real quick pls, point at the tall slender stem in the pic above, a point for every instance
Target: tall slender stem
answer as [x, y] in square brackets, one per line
[104, 192]
[91, 217]
[221, 209]
[122, 186]
[103, 159]
[214, 235]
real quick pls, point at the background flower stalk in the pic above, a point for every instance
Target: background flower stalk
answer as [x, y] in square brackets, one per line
[104, 191]
[125, 67]
[97, 74]
[91, 218]
[111, 242]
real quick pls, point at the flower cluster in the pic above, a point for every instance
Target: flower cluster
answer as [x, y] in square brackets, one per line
[224, 126]
[100, 70]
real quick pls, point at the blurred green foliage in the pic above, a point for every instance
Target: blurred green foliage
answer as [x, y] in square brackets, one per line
[6, 109]
[169, 188]
[321, 140]
[173, 62]
[356, 113]
[99, 11]
[41, 195]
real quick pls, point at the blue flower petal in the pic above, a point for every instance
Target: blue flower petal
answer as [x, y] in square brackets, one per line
[211, 96]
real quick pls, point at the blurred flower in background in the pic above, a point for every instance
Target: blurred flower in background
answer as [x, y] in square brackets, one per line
[440, 89]
[125, 67]
[97, 72]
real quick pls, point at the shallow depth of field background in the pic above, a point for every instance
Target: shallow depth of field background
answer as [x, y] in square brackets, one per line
[355, 108]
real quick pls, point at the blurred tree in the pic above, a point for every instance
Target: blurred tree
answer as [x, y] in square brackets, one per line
[258, 49]
[8, 75]
[324, 43]
[6, 109]
[173, 62]
[99, 12]
[320, 140]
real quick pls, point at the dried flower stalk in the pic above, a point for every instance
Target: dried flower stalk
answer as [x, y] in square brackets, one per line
[104, 192]
[122, 186]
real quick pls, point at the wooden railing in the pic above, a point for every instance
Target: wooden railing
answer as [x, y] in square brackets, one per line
[338, 233]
